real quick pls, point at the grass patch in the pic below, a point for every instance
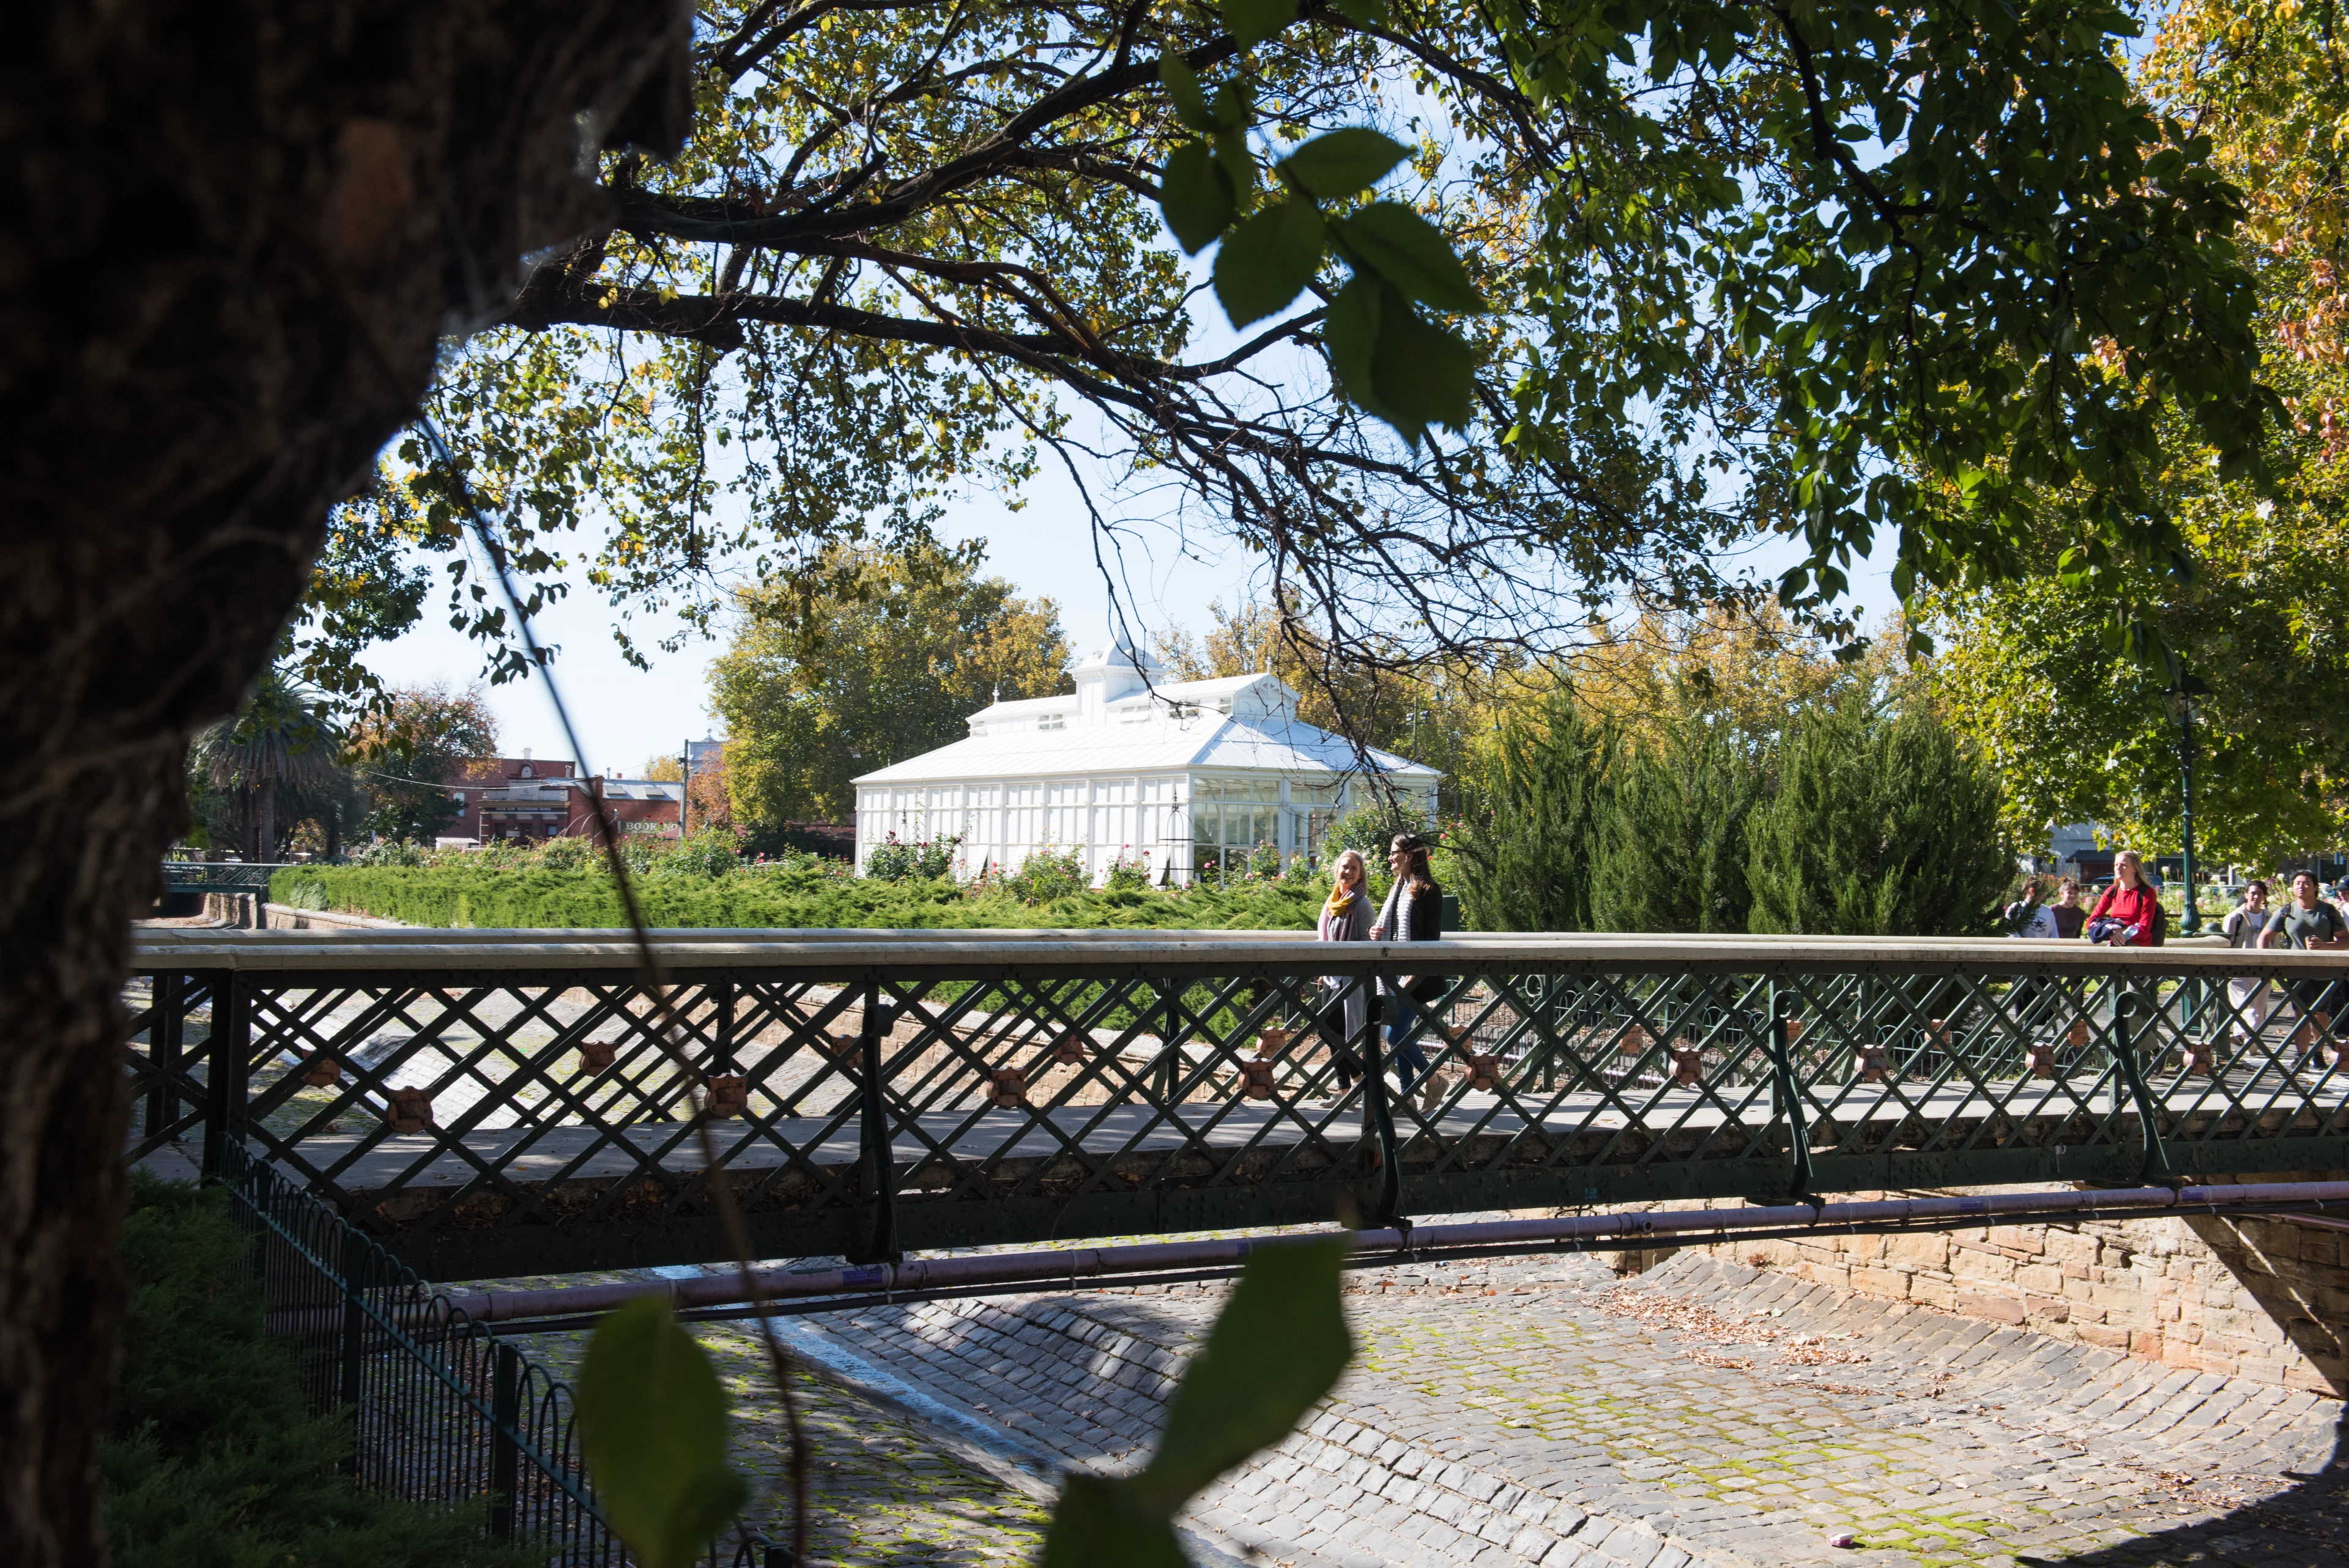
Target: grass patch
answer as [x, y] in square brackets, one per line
[214, 1460]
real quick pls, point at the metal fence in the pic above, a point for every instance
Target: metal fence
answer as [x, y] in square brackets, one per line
[219, 876]
[492, 1103]
[443, 1409]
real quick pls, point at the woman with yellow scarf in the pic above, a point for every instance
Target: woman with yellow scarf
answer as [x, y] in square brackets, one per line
[1345, 917]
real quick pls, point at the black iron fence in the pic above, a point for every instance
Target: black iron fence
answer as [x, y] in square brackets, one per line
[487, 1103]
[219, 876]
[444, 1410]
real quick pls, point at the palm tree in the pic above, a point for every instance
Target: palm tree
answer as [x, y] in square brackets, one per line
[275, 751]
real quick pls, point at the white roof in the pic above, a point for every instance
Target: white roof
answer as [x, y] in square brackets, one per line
[642, 789]
[1162, 744]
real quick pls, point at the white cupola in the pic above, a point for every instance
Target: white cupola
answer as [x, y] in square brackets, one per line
[1112, 671]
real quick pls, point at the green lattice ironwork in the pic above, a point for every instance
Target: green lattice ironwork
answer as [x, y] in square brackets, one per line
[496, 1103]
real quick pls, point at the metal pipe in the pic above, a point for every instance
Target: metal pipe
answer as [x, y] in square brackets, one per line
[918, 1276]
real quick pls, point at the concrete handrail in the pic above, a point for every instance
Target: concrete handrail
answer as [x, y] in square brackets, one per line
[834, 952]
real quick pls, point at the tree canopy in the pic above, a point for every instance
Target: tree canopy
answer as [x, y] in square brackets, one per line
[910, 648]
[2079, 731]
[1728, 271]
[408, 749]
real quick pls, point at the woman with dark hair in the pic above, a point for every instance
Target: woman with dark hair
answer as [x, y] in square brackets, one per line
[1413, 913]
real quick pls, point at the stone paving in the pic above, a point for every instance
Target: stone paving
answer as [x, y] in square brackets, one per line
[1543, 1411]
[886, 1490]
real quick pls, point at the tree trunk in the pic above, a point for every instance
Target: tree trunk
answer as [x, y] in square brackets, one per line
[265, 821]
[236, 229]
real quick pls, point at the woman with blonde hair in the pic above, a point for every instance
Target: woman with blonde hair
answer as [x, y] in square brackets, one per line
[2127, 914]
[1345, 917]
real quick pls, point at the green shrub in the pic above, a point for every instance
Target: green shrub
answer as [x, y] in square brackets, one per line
[895, 861]
[387, 852]
[711, 852]
[815, 894]
[569, 854]
[1126, 875]
[1885, 824]
[214, 1460]
[1048, 873]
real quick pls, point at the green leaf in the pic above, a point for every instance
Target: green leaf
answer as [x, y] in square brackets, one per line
[652, 1420]
[1268, 260]
[1098, 1525]
[1195, 197]
[1254, 21]
[1343, 163]
[1350, 334]
[1276, 1348]
[1183, 87]
[1238, 164]
[1424, 372]
[1362, 13]
[1411, 253]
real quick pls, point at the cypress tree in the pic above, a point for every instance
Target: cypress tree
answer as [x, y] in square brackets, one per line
[1524, 864]
[1883, 824]
[1673, 852]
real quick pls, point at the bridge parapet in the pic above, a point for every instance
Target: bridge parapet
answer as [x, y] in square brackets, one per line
[500, 1102]
[219, 876]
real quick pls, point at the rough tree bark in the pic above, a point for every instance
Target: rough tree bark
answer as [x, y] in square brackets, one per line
[235, 231]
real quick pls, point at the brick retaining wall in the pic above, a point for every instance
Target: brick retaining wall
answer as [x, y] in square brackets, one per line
[2261, 1298]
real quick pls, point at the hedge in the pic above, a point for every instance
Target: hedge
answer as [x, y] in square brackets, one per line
[756, 897]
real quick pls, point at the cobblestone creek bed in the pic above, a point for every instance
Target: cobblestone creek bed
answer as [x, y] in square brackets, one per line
[1544, 1411]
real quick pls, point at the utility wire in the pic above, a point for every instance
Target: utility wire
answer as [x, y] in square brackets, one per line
[669, 1025]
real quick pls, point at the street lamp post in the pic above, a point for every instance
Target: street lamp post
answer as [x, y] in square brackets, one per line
[2180, 696]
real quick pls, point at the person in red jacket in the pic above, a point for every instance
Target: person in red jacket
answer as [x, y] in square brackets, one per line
[2127, 914]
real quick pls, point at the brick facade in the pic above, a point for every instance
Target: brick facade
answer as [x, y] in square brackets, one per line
[2260, 1298]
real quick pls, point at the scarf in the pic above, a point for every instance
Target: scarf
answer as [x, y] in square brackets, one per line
[1340, 904]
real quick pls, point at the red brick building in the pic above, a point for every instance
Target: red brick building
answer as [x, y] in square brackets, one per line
[526, 797]
[510, 797]
[654, 805]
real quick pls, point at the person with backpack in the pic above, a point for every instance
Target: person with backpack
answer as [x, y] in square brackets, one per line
[2311, 925]
[2028, 917]
[2246, 926]
[1345, 917]
[2127, 914]
[1413, 913]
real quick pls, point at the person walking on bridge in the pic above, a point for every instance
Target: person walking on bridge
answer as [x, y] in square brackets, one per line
[1345, 917]
[1413, 913]
[2247, 995]
[2069, 916]
[2312, 925]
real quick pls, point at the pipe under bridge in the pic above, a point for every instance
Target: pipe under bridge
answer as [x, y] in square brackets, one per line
[502, 1103]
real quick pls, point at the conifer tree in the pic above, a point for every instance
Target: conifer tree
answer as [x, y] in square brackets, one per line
[1672, 851]
[1525, 861]
[1883, 824]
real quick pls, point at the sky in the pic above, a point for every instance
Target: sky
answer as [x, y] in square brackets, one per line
[627, 716]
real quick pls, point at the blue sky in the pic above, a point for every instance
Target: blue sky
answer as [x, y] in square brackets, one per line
[626, 716]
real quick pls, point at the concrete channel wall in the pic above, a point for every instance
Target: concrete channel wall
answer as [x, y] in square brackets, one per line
[246, 912]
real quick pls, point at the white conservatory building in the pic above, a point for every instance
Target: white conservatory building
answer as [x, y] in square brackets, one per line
[1189, 777]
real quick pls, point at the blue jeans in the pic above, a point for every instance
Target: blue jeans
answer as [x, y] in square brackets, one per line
[1410, 1057]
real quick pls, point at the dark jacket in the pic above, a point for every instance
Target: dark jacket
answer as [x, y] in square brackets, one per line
[1411, 917]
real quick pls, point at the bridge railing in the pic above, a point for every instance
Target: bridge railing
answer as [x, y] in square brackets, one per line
[494, 1103]
[219, 876]
[444, 1410]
